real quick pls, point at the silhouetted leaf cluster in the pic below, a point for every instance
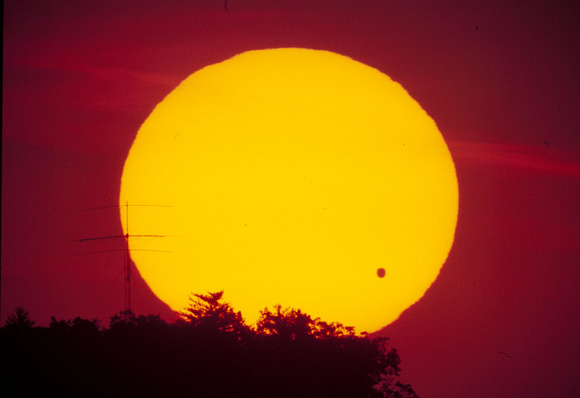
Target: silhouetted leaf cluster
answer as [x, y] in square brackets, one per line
[208, 352]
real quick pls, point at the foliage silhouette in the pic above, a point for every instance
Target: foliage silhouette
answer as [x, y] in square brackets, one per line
[208, 352]
[289, 323]
[208, 312]
[19, 319]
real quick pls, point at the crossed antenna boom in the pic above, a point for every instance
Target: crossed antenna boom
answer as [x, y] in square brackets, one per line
[127, 262]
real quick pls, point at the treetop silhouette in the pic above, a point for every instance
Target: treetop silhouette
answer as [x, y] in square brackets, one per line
[20, 319]
[292, 323]
[208, 312]
[208, 352]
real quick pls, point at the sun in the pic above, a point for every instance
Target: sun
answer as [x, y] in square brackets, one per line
[295, 177]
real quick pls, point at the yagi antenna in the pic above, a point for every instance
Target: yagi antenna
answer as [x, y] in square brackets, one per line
[127, 236]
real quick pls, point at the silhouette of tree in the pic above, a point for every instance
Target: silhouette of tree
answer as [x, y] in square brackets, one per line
[209, 352]
[326, 330]
[292, 323]
[20, 319]
[124, 321]
[286, 323]
[325, 359]
[398, 390]
[208, 312]
[87, 327]
[389, 371]
[78, 331]
[125, 316]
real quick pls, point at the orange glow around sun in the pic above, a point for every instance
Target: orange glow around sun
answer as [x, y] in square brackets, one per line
[295, 177]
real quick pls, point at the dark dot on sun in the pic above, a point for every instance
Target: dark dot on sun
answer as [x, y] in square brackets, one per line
[381, 272]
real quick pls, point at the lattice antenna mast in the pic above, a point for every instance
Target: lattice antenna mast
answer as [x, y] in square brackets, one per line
[127, 262]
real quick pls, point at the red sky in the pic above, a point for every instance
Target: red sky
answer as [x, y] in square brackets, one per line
[500, 80]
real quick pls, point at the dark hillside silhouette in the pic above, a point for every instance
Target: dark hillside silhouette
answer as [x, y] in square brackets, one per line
[209, 352]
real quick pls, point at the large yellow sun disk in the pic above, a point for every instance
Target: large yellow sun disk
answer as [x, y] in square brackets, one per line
[293, 176]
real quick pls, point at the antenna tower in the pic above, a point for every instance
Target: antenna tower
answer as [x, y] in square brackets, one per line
[127, 262]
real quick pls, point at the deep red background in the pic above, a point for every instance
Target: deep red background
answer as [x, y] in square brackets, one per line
[500, 80]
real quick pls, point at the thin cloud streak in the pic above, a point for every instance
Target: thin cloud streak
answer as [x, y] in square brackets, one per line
[532, 158]
[111, 74]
